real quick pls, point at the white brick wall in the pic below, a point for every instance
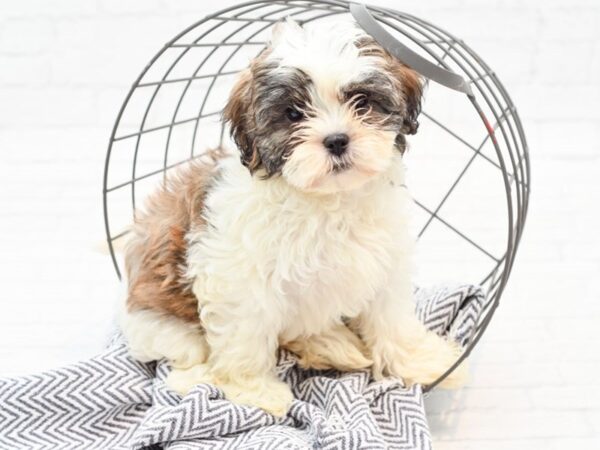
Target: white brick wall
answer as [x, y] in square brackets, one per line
[66, 65]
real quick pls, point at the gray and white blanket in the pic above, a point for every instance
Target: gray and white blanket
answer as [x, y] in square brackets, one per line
[114, 402]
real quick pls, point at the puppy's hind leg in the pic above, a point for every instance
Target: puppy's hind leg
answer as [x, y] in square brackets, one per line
[336, 348]
[151, 336]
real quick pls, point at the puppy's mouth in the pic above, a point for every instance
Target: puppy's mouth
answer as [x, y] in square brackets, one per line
[340, 164]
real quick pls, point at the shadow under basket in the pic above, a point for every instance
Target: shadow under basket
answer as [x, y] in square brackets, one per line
[467, 168]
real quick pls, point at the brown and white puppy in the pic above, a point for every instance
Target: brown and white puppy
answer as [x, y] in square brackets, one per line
[304, 233]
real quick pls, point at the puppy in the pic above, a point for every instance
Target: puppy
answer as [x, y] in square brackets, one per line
[300, 240]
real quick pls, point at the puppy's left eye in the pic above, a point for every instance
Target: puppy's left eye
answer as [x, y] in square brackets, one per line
[294, 114]
[361, 102]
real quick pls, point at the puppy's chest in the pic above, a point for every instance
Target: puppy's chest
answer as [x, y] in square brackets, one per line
[312, 264]
[331, 266]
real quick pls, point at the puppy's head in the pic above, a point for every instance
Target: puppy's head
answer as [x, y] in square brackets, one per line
[325, 107]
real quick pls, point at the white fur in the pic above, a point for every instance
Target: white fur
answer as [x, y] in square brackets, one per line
[324, 50]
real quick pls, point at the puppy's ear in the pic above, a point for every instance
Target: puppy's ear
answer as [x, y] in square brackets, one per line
[239, 114]
[409, 83]
[411, 86]
[287, 29]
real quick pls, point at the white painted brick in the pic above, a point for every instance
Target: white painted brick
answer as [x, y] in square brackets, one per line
[197, 6]
[499, 352]
[539, 250]
[511, 60]
[563, 349]
[595, 61]
[554, 5]
[55, 8]
[526, 374]
[129, 6]
[556, 140]
[563, 61]
[73, 143]
[573, 251]
[566, 24]
[18, 70]
[108, 34]
[31, 36]
[564, 398]
[109, 104]
[582, 372]
[78, 67]
[524, 329]
[590, 443]
[48, 107]
[519, 444]
[594, 419]
[103, 52]
[473, 24]
[584, 328]
[536, 299]
[477, 399]
[516, 424]
[582, 6]
[550, 102]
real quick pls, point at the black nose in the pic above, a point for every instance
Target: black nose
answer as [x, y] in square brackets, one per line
[336, 143]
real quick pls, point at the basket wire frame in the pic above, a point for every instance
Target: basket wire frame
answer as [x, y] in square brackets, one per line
[505, 132]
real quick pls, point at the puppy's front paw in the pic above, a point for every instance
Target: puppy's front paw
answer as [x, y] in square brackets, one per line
[423, 363]
[183, 380]
[268, 393]
[191, 355]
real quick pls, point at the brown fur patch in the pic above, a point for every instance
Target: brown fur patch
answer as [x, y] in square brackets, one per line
[155, 256]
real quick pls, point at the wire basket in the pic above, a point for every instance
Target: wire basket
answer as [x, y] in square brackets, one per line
[470, 152]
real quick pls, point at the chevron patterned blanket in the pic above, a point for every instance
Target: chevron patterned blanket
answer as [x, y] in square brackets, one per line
[114, 402]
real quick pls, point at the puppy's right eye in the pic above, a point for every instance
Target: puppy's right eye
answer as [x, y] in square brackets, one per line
[294, 114]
